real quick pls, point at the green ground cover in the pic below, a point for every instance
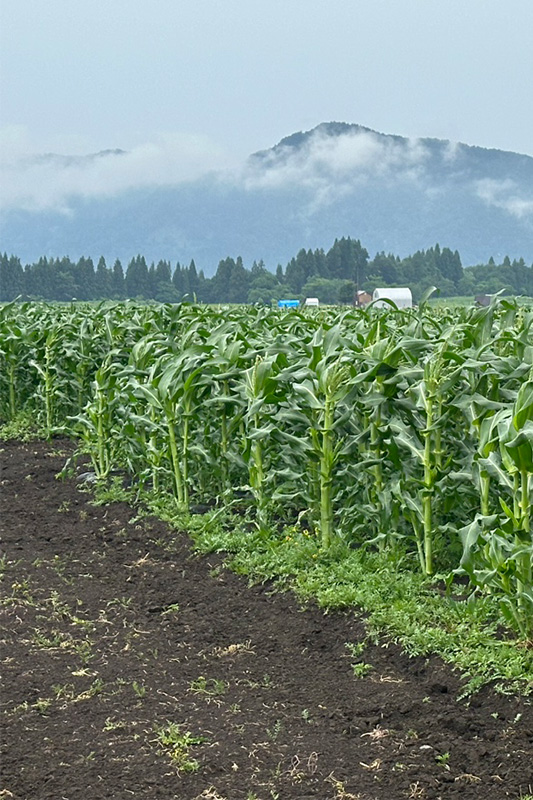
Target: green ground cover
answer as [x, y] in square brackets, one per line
[373, 458]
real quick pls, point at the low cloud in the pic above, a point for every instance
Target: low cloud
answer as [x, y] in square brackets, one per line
[323, 166]
[505, 194]
[324, 163]
[36, 181]
[328, 166]
[451, 151]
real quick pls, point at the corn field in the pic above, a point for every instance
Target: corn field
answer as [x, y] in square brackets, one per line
[408, 431]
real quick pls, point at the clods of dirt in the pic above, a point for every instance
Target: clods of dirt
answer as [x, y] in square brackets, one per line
[133, 668]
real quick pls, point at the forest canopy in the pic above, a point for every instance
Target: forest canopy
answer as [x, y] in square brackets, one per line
[333, 276]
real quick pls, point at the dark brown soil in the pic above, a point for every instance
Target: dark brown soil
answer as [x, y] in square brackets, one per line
[112, 629]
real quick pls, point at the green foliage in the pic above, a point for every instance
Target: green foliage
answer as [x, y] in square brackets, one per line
[333, 276]
[22, 427]
[406, 433]
[177, 744]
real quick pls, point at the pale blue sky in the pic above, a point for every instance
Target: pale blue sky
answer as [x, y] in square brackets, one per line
[229, 78]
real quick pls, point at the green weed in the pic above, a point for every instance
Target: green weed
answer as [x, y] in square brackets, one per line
[210, 687]
[176, 744]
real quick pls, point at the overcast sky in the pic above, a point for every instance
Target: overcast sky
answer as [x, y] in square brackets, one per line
[220, 80]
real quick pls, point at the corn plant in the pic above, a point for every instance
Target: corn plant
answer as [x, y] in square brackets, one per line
[498, 549]
[16, 382]
[97, 423]
[323, 389]
[406, 430]
[260, 391]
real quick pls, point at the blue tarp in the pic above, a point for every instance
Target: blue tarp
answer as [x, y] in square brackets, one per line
[288, 303]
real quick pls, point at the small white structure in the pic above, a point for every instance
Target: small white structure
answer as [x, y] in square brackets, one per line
[401, 297]
[311, 301]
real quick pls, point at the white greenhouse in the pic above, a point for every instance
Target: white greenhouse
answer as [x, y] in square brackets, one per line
[401, 297]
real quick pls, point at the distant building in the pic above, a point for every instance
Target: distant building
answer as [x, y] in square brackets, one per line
[362, 298]
[483, 299]
[311, 301]
[401, 297]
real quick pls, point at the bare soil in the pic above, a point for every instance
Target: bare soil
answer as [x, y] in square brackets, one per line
[114, 633]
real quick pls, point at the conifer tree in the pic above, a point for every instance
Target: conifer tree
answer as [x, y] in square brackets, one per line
[102, 280]
[177, 279]
[193, 278]
[136, 280]
[12, 282]
[117, 281]
[85, 279]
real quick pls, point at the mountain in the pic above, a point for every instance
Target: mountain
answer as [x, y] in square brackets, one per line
[58, 160]
[394, 194]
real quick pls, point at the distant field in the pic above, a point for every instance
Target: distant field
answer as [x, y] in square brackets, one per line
[463, 302]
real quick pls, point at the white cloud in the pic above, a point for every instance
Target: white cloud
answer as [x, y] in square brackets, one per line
[506, 195]
[329, 166]
[324, 167]
[451, 151]
[34, 181]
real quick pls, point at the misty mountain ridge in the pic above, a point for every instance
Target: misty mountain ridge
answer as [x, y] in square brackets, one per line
[60, 160]
[393, 193]
[440, 155]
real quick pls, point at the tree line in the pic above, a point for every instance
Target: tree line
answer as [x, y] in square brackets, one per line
[333, 276]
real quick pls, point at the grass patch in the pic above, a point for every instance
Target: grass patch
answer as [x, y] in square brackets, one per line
[24, 427]
[399, 604]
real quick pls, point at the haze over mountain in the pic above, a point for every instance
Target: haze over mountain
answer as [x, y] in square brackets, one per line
[176, 201]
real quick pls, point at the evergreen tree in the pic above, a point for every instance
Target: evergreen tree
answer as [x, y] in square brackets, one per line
[12, 283]
[61, 280]
[347, 259]
[334, 261]
[152, 282]
[38, 278]
[85, 279]
[203, 292]
[177, 279]
[102, 281]
[262, 285]
[521, 277]
[117, 281]
[136, 281]
[186, 284]
[321, 264]
[221, 281]
[239, 283]
[163, 272]
[297, 272]
[193, 279]
[386, 267]
[165, 291]
[449, 265]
